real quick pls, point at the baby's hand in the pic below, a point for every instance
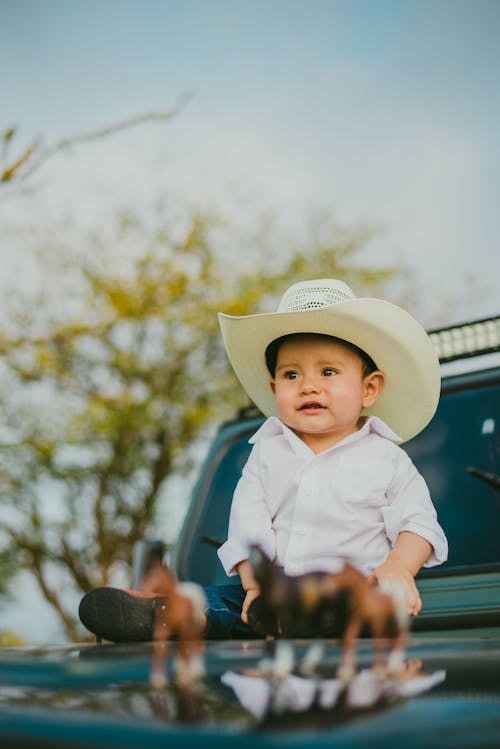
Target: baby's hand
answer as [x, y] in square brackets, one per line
[392, 570]
[252, 594]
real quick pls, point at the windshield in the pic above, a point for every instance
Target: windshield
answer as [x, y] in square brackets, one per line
[462, 436]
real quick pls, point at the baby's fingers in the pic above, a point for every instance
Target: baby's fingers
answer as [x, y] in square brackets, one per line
[372, 579]
[415, 602]
[250, 596]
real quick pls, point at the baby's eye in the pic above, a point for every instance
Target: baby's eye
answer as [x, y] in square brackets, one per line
[329, 372]
[290, 375]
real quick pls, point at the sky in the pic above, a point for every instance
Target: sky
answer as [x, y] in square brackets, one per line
[382, 111]
[385, 112]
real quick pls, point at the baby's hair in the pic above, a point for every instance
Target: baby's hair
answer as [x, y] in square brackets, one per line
[367, 364]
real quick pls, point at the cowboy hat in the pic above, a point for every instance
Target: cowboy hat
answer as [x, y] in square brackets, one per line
[395, 341]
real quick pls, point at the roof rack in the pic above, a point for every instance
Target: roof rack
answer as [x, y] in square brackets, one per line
[467, 339]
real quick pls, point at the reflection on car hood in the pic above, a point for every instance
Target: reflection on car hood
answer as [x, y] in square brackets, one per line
[101, 696]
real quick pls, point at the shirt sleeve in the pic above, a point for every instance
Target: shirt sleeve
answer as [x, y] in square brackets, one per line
[410, 508]
[250, 520]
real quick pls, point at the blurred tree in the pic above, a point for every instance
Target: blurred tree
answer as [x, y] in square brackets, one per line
[100, 409]
[19, 164]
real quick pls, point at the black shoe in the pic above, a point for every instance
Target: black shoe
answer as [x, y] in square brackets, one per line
[119, 615]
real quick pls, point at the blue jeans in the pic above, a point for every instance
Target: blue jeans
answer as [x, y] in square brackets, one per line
[224, 613]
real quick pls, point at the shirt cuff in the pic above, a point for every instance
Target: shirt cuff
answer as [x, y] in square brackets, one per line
[434, 536]
[237, 549]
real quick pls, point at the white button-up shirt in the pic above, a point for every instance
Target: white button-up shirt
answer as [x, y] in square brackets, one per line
[310, 511]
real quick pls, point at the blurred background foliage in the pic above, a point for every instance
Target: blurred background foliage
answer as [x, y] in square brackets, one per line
[114, 369]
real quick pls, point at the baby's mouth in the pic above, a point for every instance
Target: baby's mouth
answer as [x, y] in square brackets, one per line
[311, 406]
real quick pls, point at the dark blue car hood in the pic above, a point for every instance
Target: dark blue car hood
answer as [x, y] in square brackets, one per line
[99, 696]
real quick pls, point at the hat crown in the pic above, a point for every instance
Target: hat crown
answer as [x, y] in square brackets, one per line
[306, 295]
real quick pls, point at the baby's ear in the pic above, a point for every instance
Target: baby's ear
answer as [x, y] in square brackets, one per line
[272, 385]
[373, 385]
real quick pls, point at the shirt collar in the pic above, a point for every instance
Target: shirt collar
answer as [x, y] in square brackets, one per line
[376, 425]
[373, 424]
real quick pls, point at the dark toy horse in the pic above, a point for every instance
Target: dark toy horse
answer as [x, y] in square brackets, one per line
[322, 604]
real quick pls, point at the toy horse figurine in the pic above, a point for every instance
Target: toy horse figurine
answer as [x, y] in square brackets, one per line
[330, 604]
[181, 616]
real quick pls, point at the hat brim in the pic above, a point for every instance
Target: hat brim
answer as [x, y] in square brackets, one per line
[396, 342]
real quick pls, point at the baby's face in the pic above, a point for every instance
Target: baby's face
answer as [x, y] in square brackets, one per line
[320, 390]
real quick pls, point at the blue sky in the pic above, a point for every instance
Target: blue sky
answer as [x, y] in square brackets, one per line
[67, 65]
[378, 110]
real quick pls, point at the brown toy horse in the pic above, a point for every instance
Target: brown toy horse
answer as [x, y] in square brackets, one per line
[182, 617]
[324, 604]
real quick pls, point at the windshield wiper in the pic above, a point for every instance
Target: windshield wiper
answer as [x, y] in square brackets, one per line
[490, 478]
[212, 541]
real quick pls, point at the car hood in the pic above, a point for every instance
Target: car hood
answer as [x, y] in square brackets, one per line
[100, 696]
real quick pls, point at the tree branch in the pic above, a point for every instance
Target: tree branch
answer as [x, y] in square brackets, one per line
[34, 157]
[35, 554]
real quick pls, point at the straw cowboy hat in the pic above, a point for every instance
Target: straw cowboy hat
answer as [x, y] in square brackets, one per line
[396, 342]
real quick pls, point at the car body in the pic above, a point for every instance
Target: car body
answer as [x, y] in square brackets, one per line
[99, 695]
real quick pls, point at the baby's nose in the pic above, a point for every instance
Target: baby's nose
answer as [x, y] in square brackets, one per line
[310, 385]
